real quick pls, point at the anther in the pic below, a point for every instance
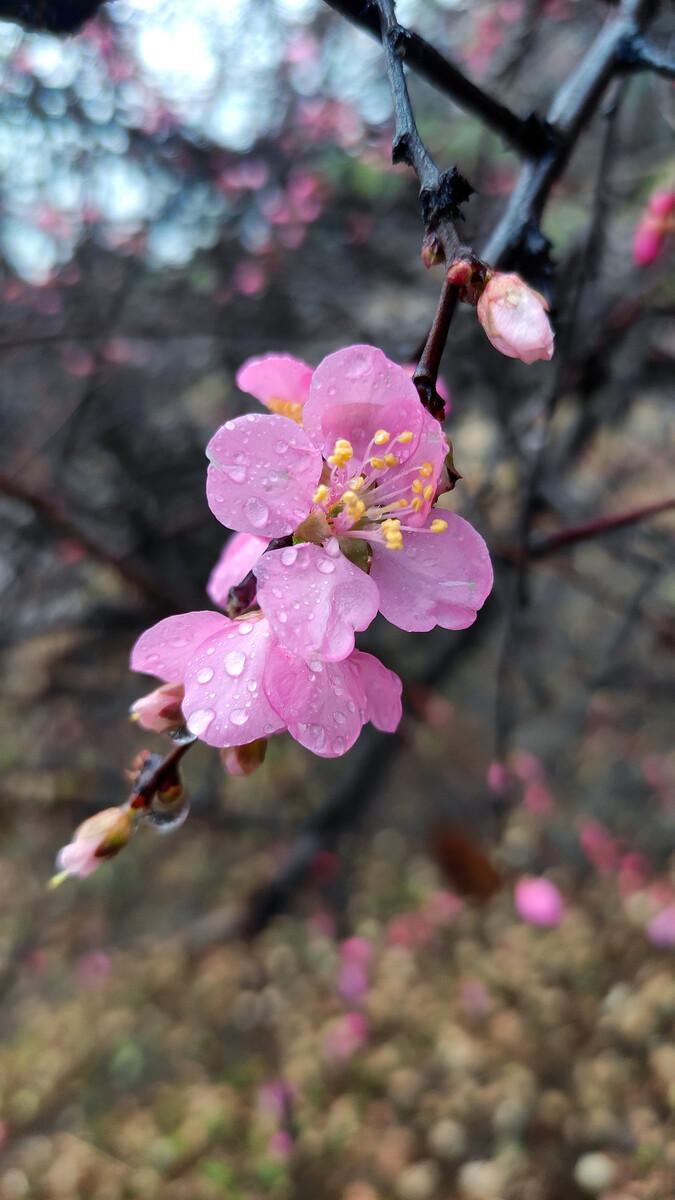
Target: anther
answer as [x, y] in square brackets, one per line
[405, 437]
[428, 491]
[416, 486]
[391, 460]
[321, 494]
[378, 463]
[381, 437]
[426, 470]
[437, 525]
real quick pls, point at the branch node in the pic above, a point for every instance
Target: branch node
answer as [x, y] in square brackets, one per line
[445, 199]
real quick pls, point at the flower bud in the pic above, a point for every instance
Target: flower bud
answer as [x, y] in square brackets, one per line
[653, 228]
[160, 710]
[101, 836]
[514, 318]
[244, 760]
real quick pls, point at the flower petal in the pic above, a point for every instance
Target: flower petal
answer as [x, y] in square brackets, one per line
[278, 381]
[225, 704]
[357, 391]
[323, 709]
[239, 554]
[166, 648]
[422, 469]
[382, 689]
[436, 579]
[262, 476]
[314, 599]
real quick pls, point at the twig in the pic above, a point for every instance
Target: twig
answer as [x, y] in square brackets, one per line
[527, 135]
[53, 512]
[550, 543]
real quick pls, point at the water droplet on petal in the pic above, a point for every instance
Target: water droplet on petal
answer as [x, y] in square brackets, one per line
[236, 474]
[326, 566]
[244, 628]
[256, 511]
[288, 556]
[359, 366]
[205, 675]
[282, 447]
[283, 617]
[199, 721]
[238, 716]
[235, 662]
[332, 548]
[339, 745]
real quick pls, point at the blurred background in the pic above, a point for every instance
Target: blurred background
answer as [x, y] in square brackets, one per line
[182, 186]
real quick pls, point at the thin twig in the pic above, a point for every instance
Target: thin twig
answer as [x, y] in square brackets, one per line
[549, 543]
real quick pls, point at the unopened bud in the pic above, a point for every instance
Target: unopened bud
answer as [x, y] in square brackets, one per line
[432, 251]
[160, 710]
[244, 760]
[514, 318]
[101, 836]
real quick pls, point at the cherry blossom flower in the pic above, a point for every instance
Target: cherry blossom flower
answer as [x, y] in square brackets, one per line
[661, 927]
[100, 837]
[653, 227]
[514, 318]
[539, 902]
[160, 710]
[241, 684]
[356, 487]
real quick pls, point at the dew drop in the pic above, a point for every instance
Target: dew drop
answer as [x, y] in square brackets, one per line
[332, 548]
[339, 745]
[257, 511]
[199, 721]
[235, 473]
[205, 675]
[235, 662]
[359, 366]
[244, 628]
[339, 717]
[210, 650]
[326, 566]
[282, 447]
[238, 716]
[283, 617]
[288, 556]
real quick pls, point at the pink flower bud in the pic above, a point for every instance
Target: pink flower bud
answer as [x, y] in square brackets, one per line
[98, 838]
[244, 760]
[647, 241]
[514, 318]
[662, 203]
[160, 710]
[539, 902]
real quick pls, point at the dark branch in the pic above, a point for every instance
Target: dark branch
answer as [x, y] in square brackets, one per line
[549, 543]
[636, 54]
[54, 16]
[527, 135]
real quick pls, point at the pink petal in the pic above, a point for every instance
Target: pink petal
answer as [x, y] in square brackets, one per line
[314, 599]
[79, 858]
[239, 554]
[436, 579]
[382, 689]
[225, 704]
[357, 391]
[274, 378]
[166, 648]
[539, 902]
[324, 710]
[514, 317]
[262, 476]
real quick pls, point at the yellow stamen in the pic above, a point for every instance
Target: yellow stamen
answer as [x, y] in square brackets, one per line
[391, 460]
[353, 505]
[426, 470]
[378, 463]
[393, 538]
[342, 453]
[321, 494]
[405, 437]
[428, 491]
[286, 408]
[437, 525]
[416, 486]
[416, 504]
[357, 483]
[381, 437]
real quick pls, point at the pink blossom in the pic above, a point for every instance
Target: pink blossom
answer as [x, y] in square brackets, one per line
[93, 970]
[239, 554]
[345, 1036]
[514, 318]
[599, 845]
[241, 684]
[356, 487]
[160, 710]
[498, 778]
[661, 927]
[356, 950]
[352, 982]
[280, 1144]
[654, 226]
[539, 902]
[279, 381]
[100, 837]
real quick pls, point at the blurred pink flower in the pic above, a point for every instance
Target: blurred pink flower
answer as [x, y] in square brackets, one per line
[92, 970]
[654, 226]
[514, 317]
[539, 902]
[499, 778]
[599, 845]
[661, 927]
[352, 983]
[346, 1035]
[280, 1144]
